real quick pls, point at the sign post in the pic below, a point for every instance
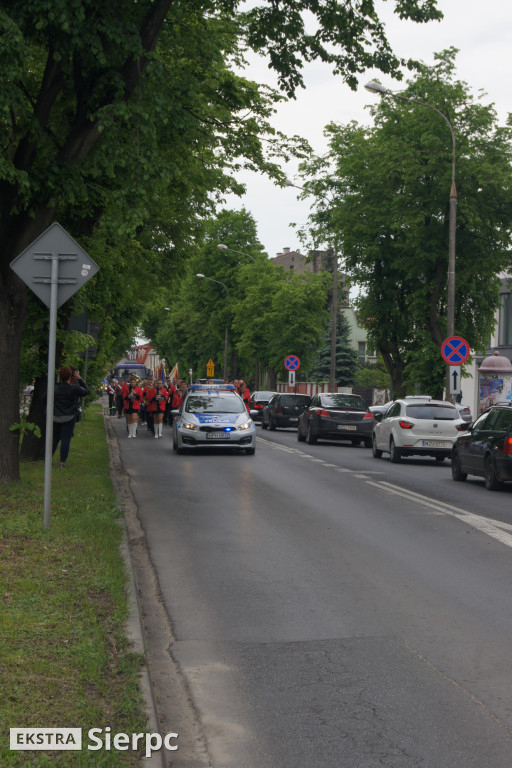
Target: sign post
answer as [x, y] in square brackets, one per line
[454, 351]
[38, 267]
[292, 363]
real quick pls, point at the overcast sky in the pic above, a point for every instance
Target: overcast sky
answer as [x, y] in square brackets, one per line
[480, 30]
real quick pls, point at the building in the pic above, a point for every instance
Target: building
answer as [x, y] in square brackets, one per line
[298, 263]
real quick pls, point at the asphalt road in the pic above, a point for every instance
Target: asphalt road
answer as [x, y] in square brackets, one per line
[331, 610]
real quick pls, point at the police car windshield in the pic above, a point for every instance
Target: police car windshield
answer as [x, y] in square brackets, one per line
[214, 403]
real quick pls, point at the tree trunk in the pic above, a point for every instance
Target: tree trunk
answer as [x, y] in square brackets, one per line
[13, 316]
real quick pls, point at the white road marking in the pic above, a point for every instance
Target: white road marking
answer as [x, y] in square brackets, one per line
[502, 532]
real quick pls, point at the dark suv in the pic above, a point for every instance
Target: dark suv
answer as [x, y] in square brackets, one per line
[485, 449]
[283, 410]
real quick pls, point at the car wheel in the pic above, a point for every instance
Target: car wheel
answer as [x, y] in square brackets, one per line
[311, 439]
[367, 442]
[300, 437]
[491, 481]
[377, 454]
[356, 442]
[440, 459]
[395, 454]
[271, 424]
[457, 472]
[263, 425]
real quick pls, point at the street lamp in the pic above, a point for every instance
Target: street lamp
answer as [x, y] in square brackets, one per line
[375, 87]
[203, 277]
[242, 253]
[334, 307]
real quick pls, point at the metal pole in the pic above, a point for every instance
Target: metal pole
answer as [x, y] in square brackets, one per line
[51, 390]
[334, 315]
[226, 352]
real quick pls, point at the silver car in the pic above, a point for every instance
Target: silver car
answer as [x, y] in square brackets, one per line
[211, 417]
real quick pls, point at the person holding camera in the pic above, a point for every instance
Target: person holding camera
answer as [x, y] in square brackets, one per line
[65, 409]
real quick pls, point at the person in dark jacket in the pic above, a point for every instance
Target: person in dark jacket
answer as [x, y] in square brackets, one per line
[65, 409]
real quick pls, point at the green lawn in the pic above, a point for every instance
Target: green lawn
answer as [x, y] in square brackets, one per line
[64, 658]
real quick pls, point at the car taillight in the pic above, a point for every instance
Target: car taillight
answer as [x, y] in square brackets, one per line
[321, 412]
[257, 407]
[461, 427]
[507, 446]
[368, 415]
[405, 424]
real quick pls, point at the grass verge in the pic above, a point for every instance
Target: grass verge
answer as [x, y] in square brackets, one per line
[64, 658]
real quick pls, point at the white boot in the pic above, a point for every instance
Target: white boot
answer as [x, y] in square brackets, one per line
[160, 428]
[129, 431]
[134, 434]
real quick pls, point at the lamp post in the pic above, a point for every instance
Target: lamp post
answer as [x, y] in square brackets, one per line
[203, 277]
[242, 253]
[375, 87]
[334, 307]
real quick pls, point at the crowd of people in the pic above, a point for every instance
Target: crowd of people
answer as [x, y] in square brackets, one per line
[150, 403]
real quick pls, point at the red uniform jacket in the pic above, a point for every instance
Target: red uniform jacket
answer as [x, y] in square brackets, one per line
[156, 399]
[131, 404]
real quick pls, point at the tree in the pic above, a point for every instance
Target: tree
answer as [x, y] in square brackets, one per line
[347, 358]
[390, 185]
[79, 135]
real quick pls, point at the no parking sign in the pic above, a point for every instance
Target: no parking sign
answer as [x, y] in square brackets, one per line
[291, 363]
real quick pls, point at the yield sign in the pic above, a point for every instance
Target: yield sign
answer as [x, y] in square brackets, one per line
[455, 350]
[291, 363]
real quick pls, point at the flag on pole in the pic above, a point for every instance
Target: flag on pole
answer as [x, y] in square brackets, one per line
[174, 373]
[162, 373]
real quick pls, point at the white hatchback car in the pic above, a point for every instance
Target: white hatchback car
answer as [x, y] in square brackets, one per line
[417, 426]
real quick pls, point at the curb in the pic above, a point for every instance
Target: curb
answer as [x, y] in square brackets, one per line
[134, 625]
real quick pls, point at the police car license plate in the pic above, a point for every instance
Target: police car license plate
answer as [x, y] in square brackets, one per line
[435, 443]
[217, 435]
[347, 426]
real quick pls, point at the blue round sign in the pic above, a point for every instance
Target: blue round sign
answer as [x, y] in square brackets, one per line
[291, 363]
[455, 350]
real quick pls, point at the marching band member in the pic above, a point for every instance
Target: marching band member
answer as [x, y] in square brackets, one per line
[157, 400]
[132, 398]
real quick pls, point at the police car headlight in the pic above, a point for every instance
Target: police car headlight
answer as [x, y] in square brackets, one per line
[245, 425]
[188, 425]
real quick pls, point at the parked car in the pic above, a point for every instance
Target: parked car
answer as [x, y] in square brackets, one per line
[417, 426]
[283, 410]
[464, 412]
[336, 416]
[258, 401]
[381, 408]
[485, 449]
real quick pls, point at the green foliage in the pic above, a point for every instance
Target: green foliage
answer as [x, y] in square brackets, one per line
[23, 426]
[389, 192]
[347, 359]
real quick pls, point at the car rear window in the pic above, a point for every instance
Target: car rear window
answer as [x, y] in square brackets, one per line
[429, 411]
[343, 401]
[288, 400]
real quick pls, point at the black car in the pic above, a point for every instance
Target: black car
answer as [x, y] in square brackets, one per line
[336, 416]
[485, 449]
[283, 410]
[258, 401]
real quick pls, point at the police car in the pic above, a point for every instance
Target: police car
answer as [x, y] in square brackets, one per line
[212, 416]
